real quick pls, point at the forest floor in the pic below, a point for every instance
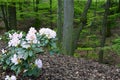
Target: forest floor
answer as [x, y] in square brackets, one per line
[63, 67]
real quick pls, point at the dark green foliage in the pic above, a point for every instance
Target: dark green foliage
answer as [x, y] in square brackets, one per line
[116, 45]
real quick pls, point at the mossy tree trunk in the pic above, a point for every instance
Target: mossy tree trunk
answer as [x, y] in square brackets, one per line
[104, 30]
[4, 14]
[37, 5]
[51, 18]
[37, 20]
[119, 6]
[68, 27]
[93, 22]
[59, 22]
[108, 30]
[12, 15]
[83, 22]
[21, 8]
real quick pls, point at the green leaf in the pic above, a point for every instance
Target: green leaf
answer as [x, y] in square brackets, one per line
[38, 50]
[33, 46]
[46, 41]
[7, 61]
[53, 45]
[14, 67]
[30, 53]
[18, 70]
[26, 55]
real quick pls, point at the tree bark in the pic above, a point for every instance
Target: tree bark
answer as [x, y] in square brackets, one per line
[12, 15]
[119, 6]
[94, 21]
[59, 21]
[108, 31]
[37, 20]
[21, 8]
[33, 5]
[84, 14]
[37, 3]
[104, 28]
[51, 14]
[83, 22]
[4, 14]
[68, 27]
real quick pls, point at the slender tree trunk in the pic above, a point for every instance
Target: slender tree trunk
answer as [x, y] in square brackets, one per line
[12, 15]
[21, 8]
[59, 21]
[96, 4]
[37, 20]
[51, 14]
[84, 14]
[93, 22]
[104, 28]
[83, 22]
[5, 17]
[119, 6]
[37, 3]
[33, 5]
[68, 27]
[108, 31]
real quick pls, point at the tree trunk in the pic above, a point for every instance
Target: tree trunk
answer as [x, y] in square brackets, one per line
[33, 5]
[4, 14]
[21, 8]
[108, 31]
[12, 15]
[37, 3]
[51, 14]
[84, 14]
[93, 25]
[59, 21]
[119, 6]
[104, 28]
[37, 20]
[68, 27]
[82, 24]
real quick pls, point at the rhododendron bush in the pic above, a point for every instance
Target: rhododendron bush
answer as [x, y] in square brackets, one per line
[23, 50]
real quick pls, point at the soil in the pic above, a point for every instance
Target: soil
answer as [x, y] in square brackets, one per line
[62, 67]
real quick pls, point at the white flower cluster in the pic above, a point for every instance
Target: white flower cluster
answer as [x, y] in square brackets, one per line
[16, 35]
[10, 78]
[31, 36]
[15, 59]
[14, 39]
[38, 63]
[47, 32]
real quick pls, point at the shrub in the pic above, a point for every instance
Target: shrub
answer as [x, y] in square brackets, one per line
[22, 53]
